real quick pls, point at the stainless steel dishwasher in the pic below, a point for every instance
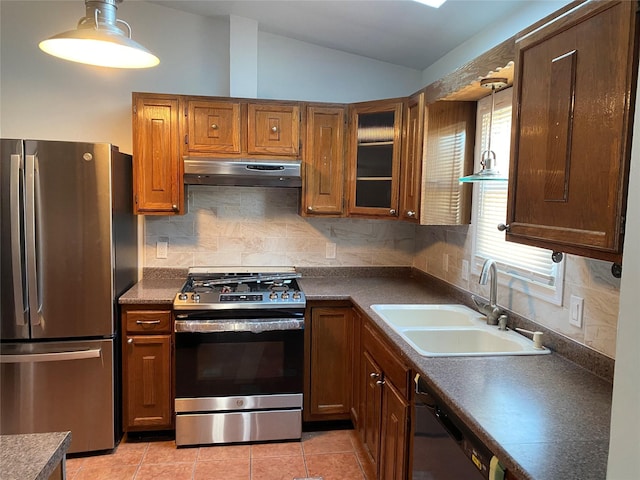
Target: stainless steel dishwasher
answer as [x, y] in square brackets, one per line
[443, 448]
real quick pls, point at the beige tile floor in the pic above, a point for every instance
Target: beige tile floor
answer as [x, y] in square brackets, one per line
[332, 455]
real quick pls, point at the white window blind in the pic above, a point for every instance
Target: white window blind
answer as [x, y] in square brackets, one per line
[445, 156]
[533, 266]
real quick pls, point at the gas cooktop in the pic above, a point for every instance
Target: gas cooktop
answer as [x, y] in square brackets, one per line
[209, 288]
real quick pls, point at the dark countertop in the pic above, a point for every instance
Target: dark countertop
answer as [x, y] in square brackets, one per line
[153, 290]
[543, 416]
[32, 456]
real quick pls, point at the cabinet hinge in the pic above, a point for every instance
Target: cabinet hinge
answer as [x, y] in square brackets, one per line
[135, 198]
[186, 139]
[623, 224]
[186, 111]
[135, 108]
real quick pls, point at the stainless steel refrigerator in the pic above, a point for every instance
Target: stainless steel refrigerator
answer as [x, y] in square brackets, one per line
[68, 249]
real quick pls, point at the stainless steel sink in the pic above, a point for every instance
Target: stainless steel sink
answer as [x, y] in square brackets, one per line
[452, 330]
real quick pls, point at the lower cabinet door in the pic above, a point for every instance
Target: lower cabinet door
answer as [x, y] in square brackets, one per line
[393, 448]
[147, 378]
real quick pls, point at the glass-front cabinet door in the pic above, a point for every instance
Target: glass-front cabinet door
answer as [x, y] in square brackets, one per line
[374, 158]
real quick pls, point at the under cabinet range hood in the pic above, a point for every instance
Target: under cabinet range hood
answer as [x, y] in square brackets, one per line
[248, 173]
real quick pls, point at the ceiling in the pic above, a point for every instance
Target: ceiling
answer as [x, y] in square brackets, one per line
[401, 32]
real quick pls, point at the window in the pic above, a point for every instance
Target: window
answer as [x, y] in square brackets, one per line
[524, 268]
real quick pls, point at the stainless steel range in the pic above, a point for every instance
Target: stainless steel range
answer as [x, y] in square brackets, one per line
[239, 356]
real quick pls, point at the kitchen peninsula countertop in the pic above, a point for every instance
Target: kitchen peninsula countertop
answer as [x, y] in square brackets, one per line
[33, 456]
[543, 416]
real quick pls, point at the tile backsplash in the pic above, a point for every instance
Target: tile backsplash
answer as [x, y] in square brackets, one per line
[247, 226]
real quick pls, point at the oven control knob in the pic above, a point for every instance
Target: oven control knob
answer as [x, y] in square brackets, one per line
[195, 297]
[285, 295]
[296, 295]
[183, 296]
[273, 296]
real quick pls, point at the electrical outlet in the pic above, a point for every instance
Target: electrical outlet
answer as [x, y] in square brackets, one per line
[465, 269]
[330, 250]
[576, 309]
[161, 249]
[445, 262]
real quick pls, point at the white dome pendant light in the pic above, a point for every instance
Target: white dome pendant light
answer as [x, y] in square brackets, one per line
[98, 40]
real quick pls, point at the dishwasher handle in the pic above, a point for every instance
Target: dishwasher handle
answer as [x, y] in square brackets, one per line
[448, 425]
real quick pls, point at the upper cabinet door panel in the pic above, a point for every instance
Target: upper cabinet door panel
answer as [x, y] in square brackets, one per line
[571, 138]
[213, 127]
[324, 161]
[156, 156]
[274, 130]
[411, 161]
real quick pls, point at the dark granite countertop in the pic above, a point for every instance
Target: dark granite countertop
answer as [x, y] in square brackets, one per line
[543, 416]
[32, 456]
[153, 290]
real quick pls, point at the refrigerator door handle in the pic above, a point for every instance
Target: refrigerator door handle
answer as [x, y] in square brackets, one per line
[51, 356]
[16, 241]
[32, 229]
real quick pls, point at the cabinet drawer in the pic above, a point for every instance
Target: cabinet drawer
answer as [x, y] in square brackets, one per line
[152, 321]
[394, 369]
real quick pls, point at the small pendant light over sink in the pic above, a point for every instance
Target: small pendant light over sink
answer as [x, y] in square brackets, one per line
[99, 40]
[488, 160]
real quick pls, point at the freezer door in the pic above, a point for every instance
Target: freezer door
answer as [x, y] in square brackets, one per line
[13, 288]
[52, 387]
[69, 239]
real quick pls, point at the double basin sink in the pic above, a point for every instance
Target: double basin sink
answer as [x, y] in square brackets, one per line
[453, 330]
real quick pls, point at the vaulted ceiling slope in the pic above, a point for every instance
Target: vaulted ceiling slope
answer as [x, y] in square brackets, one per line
[401, 32]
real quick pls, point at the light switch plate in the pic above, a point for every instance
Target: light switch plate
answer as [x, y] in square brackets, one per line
[465, 269]
[576, 310]
[330, 250]
[161, 249]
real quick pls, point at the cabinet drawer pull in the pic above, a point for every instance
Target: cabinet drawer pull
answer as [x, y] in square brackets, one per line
[147, 322]
[214, 126]
[374, 375]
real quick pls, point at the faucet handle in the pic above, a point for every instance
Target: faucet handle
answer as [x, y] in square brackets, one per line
[537, 337]
[502, 322]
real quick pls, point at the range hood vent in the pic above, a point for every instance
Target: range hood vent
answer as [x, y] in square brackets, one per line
[268, 173]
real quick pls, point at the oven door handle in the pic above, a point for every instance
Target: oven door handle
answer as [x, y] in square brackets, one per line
[238, 325]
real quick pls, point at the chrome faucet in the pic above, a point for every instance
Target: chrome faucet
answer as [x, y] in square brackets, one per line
[491, 309]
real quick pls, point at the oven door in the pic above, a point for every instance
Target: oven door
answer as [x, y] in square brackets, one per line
[239, 364]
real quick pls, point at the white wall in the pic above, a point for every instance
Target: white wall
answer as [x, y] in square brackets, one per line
[49, 98]
[624, 447]
[490, 37]
[290, 69]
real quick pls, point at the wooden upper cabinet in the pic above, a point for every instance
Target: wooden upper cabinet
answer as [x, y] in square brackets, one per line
[574, 88]
[411, 161]
[374, 158]
[157, 163]
[273, 129]
[213, 126]
[323, 191]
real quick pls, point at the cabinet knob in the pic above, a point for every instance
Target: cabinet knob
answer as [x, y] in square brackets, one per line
[374, 375]
[557, 257]
[309, 209]
[130, 341]
[274, 129]
[411, 213]
[504, 228]
[214, 126]
[380, 383]
[174, 207]
[392, 211]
